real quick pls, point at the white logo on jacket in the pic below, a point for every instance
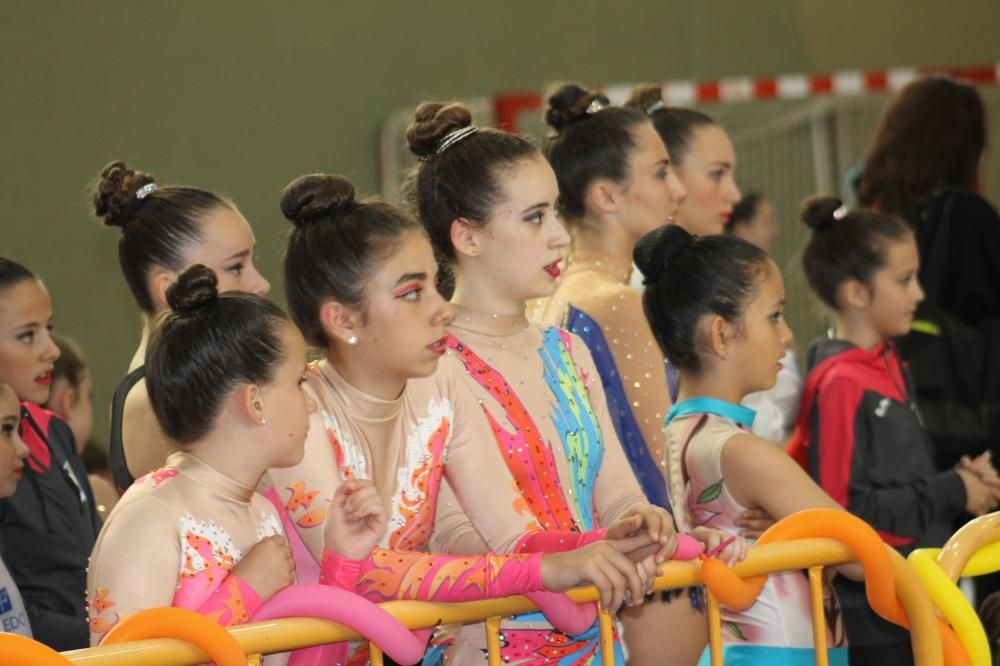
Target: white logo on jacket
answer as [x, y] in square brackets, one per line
[883, 407]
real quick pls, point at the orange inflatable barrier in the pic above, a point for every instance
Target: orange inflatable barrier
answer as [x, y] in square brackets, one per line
[880, 589]
[16, 650]
[183, 624]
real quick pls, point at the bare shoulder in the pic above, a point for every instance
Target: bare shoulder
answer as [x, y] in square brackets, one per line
[146, 446]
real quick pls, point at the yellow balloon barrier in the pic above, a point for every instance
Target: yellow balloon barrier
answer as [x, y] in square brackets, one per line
[974, 550]
[975, 536]
[953, 604]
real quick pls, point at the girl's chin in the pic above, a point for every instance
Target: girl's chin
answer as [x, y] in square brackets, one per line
[542, 290]
[38, 396]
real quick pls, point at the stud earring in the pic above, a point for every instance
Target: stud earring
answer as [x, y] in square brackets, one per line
[263, 421]
[352, 340]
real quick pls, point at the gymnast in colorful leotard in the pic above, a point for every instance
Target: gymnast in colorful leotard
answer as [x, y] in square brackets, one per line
[224, 375]
[487, 200]
[616, 183]
[360, 279]
[715, 306]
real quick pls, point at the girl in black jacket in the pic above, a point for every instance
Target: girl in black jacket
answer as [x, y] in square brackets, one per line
[860, 433]
[48, 527]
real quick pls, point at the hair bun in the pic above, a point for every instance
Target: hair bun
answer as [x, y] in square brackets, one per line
[569, 104]
[195, 288]
[645, 98]
[432, 122]
[820, 212]
[655, 250]
[309, 197]
[115, 198]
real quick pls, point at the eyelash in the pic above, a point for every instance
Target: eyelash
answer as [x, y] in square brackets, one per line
[535, 218]
[662, 174]
[8, 430]
[775, 317]
[236, 270]
[415, 291]
[28, 337]
[717, 175]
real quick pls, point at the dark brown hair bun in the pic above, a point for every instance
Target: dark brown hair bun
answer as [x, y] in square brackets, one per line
[819, 212]
[432, 122]
[115, 198]
[645, 97]
[569, 104]
[195, 288]
[308, 197]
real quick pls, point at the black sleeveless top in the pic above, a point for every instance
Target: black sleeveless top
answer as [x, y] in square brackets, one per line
[116, 449]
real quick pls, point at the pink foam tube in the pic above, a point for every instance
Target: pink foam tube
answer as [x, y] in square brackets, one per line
[688, 548]
[563, 613]
[350, 610]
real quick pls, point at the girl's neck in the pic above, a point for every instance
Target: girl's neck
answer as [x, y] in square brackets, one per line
[858, 330]
[139, 357]
[356, 369]
[480, 308]
[488, 323]
[709, 385]
[217, 451]
[593, 236]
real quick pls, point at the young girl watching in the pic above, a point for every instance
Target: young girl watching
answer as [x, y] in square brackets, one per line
[488, 202]
[224, 374]
[49, 525]
[616, 183]
[71, 400]
[715, 306]
[860, 433]
[360, 280]
[13, 614]
[163, 230]
[703, 157]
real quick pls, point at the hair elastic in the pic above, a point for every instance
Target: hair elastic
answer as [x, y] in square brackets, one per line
[656, 106]
[452, 138]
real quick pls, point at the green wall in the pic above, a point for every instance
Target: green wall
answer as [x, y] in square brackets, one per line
[240, 97]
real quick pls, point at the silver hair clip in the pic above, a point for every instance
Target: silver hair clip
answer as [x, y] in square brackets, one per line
[594, 107]
[454, 137]
[840, 213]
[145, 191]
[655, 106]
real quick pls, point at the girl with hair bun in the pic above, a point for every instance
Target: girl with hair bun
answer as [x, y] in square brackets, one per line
[360, 282]
[860, 433]
[715, 306]
[488, 202]
[616, 183]
[224, 375]
[48, 526]
[163, 230]
[703, 158]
